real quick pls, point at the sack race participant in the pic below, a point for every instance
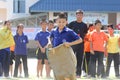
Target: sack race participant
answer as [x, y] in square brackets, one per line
[63, 61]
[60, 56]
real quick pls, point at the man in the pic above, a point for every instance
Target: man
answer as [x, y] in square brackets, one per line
[81, 29]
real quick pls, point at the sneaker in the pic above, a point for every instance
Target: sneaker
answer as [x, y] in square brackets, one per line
[8, 77]
[84, 74]
[93, 77]
[49, 77]
[77, 76]
[88, 76]
[103, 77]
[118, 77]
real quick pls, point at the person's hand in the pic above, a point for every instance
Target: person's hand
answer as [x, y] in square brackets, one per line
[67, 44]
[105, 52]
[92, 52]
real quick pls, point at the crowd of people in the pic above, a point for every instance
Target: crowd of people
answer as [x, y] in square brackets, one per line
[89, 43]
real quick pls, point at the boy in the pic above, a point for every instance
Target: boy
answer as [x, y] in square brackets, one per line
[50, 28]
[87, 50]
[97, 47]
[42, 42]
[66, 36]
[50, 25]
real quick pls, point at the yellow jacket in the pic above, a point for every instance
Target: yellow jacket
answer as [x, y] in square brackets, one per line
[6, 38]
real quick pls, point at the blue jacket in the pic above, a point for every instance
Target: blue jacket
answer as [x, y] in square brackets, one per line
[20, 44]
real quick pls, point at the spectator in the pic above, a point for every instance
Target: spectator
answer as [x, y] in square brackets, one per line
[20, 50]
[97, 47]
[113, 51]
[81, 29]
[42, 43]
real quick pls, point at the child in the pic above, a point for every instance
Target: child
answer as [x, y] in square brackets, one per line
[21, 41]
[87, 50]
[61, 35]
[42, 42]
[6, 40]
[50, 25]
[50, 28]
[113, 51]
[97, 48]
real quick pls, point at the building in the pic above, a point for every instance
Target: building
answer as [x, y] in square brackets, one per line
[107, 11]
[30, 12]
[3, 10]
[18, 12]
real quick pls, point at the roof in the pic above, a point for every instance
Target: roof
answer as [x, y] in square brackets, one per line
[73, 5]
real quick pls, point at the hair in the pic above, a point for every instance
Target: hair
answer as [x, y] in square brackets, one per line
[79, 11]
[62, 16]
[111, 26]
[6, 22]
[97, 21]
[50, 21]
[42, 21]
[19, 25]
[90, 25]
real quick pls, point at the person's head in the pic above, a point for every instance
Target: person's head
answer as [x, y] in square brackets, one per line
[98, 25]
[43, 24]
[50, 25]
[61, 20]
[20, 28]
[91, 27]
[110, 29]
[7, 24]
[79, 15]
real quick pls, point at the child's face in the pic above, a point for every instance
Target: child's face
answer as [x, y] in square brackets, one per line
[110, 30]
[20, 29]
[50, 25]
[91, 28]
[43, 24]
[61, 23]
[8, 24]
[98, 26]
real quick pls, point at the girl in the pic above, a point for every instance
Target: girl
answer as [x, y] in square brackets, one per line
[20, 50]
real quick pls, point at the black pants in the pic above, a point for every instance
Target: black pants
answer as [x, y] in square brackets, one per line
[86, 62]
[97, 57]
[115, 58]
[79, 50]
[24, 60]
[4, 61]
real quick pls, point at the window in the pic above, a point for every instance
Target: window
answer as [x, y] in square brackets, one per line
[19, 6]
